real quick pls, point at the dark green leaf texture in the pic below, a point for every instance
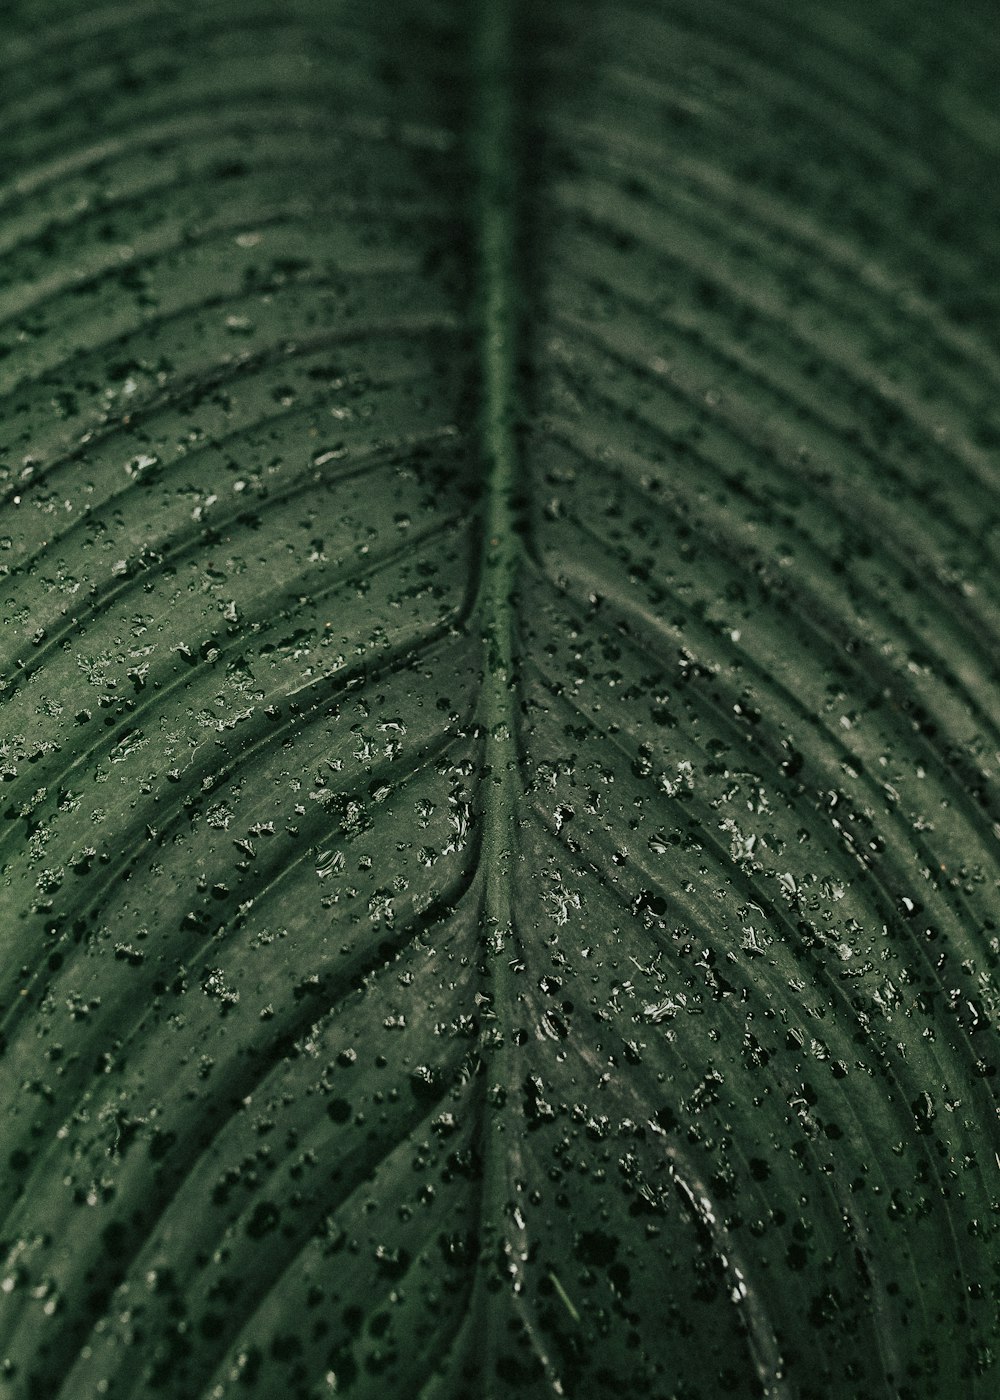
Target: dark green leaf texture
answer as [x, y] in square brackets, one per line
[500, 723]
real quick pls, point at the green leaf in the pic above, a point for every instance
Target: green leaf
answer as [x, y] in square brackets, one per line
[499, 824]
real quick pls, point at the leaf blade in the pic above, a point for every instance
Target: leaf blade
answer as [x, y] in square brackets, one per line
[519, 910]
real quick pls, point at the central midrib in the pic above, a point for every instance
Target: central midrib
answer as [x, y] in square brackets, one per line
[494, 155]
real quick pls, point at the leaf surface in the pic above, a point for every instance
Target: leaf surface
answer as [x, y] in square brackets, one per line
[499, 694]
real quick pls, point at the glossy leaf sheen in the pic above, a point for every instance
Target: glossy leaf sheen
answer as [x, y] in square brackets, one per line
[499, 699]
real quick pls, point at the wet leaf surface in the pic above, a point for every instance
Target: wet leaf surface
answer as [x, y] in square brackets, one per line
[499, 693]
